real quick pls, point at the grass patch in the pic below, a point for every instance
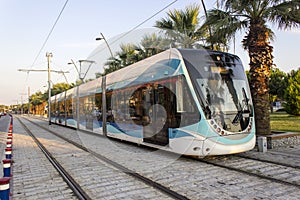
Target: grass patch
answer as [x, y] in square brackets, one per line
[281, 121]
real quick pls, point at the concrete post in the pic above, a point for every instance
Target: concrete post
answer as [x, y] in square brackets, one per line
[262, 144]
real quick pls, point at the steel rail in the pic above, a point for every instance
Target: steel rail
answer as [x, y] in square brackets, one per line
[74, 186]
[269, 161]
[214, 163]
[203, 160]
[164, 189]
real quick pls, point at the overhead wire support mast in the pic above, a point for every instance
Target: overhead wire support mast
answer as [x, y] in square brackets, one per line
[43, 70]
[48, 55]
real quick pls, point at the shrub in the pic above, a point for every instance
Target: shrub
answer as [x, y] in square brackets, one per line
[292, 95]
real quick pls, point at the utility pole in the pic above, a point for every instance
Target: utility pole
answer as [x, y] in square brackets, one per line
[28, 101]
[49, 55]
[21, 105]
[22, 110]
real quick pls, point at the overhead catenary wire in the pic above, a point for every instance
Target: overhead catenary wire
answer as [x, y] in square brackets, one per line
[59, 16]
[47, 38]
[134, 28]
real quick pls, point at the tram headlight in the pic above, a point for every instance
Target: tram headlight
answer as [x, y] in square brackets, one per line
[217, 128]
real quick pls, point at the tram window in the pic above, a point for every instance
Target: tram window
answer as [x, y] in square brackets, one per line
[187, 112]
[62, 108]
[75, 103]
[185, 103]
[53, 108]
[179, 94]
[135, 103]
[109, 107]
[69, 107]
[98, 106]
[88, 105]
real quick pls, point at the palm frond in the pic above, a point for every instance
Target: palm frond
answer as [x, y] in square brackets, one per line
[224, 24]
[181, 25]
[285, 15]
[164, 24]
[235, 6]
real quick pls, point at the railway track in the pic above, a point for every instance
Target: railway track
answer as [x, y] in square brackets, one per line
[217, 177]
[286, 164]
[77, 189]
[274, 171]
[74, 186]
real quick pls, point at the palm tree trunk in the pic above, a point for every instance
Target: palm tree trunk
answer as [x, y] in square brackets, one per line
[261, 62]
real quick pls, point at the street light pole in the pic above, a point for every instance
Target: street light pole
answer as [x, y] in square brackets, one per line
[21, 105]
[104, 127]
[103, 38]
[22, 109]
[49, 55]
[81, 81]
[28, 100]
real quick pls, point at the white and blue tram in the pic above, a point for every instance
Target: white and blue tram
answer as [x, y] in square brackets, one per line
[187, 101]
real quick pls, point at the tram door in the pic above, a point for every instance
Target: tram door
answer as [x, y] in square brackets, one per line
[155, 127]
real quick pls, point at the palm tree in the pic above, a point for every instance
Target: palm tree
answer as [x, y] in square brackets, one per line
[113, 64]
[128, 55]
[182, 26]
[253, 16]
[152, 44]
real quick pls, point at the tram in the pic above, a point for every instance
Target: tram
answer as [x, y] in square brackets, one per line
[187, 101]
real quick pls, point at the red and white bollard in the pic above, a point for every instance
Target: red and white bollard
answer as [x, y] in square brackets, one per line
[10, 130]
[8, 152]
[4, 188]
[9, 138]
[6, 167]
[9, 144]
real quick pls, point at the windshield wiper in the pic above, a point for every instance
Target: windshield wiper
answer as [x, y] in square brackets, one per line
[239, 115]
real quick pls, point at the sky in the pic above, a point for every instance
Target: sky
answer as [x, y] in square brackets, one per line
[25, 25]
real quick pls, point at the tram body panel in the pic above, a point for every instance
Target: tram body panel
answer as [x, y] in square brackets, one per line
[191, 102]
[60, 108]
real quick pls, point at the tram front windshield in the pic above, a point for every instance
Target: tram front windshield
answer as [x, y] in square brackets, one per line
[222, 88]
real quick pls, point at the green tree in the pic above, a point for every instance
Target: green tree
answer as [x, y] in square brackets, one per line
[130, 53]
[278, 84]
[3, 108]
[153, 44]
[35, 100]
[56, 89]
[292, 95]
[253, 16]
[59, 88]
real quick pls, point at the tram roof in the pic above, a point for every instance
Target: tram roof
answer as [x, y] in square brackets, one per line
[162, 65]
